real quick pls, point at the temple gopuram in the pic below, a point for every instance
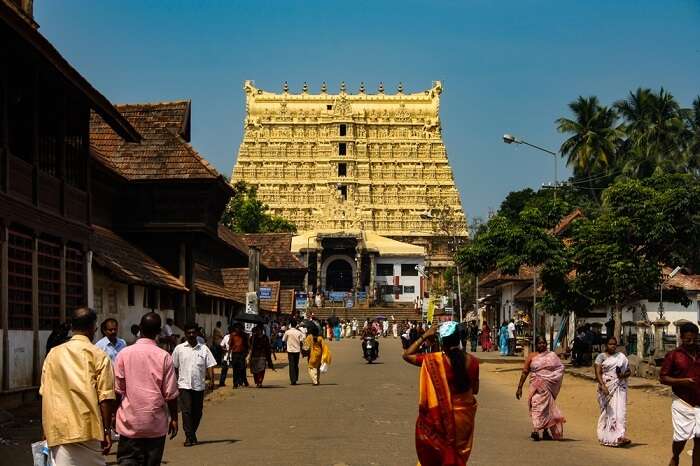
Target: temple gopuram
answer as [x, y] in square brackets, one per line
[365, 178]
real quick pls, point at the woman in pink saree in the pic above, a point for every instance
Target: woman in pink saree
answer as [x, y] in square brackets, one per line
[547, 372]
[612, 371]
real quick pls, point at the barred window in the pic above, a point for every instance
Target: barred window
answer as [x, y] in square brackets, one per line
[75, 278]
[19, 283]
[49, 284]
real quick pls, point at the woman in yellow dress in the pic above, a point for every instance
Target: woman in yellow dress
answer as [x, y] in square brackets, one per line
[318, 353]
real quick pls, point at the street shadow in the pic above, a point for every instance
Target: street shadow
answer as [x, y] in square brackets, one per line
[326, 384]
[206, 442]
[634, 445]
[274, 386]
[563, 440]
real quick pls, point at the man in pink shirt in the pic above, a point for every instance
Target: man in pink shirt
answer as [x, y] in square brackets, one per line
[145, 378]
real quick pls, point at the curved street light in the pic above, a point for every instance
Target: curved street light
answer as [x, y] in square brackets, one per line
[510, 139]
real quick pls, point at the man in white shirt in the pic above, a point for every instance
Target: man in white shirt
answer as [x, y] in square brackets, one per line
[110, 343]
[293, 338]
[511, 337]
[192, 360]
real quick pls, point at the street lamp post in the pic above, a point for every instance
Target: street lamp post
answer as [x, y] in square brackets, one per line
[661, 291]
[510, 139]
[429, 216]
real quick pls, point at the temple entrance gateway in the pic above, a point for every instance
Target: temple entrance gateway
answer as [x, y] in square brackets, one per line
[339, 275]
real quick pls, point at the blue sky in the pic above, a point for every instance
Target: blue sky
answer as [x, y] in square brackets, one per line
[506, 66]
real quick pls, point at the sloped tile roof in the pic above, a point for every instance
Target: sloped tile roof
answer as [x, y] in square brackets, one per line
[526, 293]
[127, 263]
[236, 281]
[566, 222]
[681, 280]
[210, 282]
[286, 301]
[495, 277]
[163, 153]
[233, 239]
[275, 250]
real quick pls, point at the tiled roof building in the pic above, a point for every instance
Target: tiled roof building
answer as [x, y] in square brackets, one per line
[164, 152]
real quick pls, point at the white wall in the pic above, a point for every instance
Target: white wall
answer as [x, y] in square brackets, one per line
[126, 315]
[20, 357]
[508, 305]
[672, 312]
[413, 281]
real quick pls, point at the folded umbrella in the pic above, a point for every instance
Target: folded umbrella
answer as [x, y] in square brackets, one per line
[249, 318]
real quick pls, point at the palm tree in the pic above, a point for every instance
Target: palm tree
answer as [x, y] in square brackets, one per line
[692, 150]
[655, 133]
[595, 136]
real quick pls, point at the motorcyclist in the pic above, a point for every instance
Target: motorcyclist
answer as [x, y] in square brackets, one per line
[370, 332]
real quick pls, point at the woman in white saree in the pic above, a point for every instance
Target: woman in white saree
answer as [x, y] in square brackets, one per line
[612, 371]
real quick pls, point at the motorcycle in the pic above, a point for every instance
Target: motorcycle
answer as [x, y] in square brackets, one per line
[370, 349]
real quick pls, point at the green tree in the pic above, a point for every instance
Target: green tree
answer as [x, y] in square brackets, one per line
[617, 257]
[656, 133]
[245, 213]
[594, 137]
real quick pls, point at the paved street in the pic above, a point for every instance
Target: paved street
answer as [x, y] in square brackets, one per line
[364, 415]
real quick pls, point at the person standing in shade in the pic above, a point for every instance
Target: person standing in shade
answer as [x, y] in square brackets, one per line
[216, 336]
[260, 355]
[193, 361]
[110, 343]
[511, 338]
[293, 338]
[146, 381]
[681, 370]
[77, 397]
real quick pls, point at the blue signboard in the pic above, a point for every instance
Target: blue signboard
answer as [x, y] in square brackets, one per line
[266, 293]
[337, 296]
[301, 300]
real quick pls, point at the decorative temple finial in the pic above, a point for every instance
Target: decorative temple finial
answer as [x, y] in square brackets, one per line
[324, 87]
[362, 87]
[381, 87]
[400, 88]
[305, 89]
[285, 87]
[342, 86]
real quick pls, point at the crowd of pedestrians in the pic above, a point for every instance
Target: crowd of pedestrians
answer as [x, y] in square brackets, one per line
[93, 394]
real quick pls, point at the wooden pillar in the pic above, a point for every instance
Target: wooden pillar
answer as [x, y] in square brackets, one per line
[35, 139]
[372, 276]
[4, 307]
[62, 284]
[253, 269]
[4, 123]
[89, 281]
[36, 369]
[358, 270]
[319, 256]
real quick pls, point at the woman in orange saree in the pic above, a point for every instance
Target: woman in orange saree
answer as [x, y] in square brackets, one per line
[449, 379]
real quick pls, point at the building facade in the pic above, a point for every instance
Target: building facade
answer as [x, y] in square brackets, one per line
[354, 162]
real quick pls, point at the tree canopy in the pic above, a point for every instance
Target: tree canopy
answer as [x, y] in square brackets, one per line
[245, 213]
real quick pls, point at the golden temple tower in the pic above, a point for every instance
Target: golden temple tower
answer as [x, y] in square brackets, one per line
[353, 162]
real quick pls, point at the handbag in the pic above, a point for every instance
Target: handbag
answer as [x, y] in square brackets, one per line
[323, 368]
